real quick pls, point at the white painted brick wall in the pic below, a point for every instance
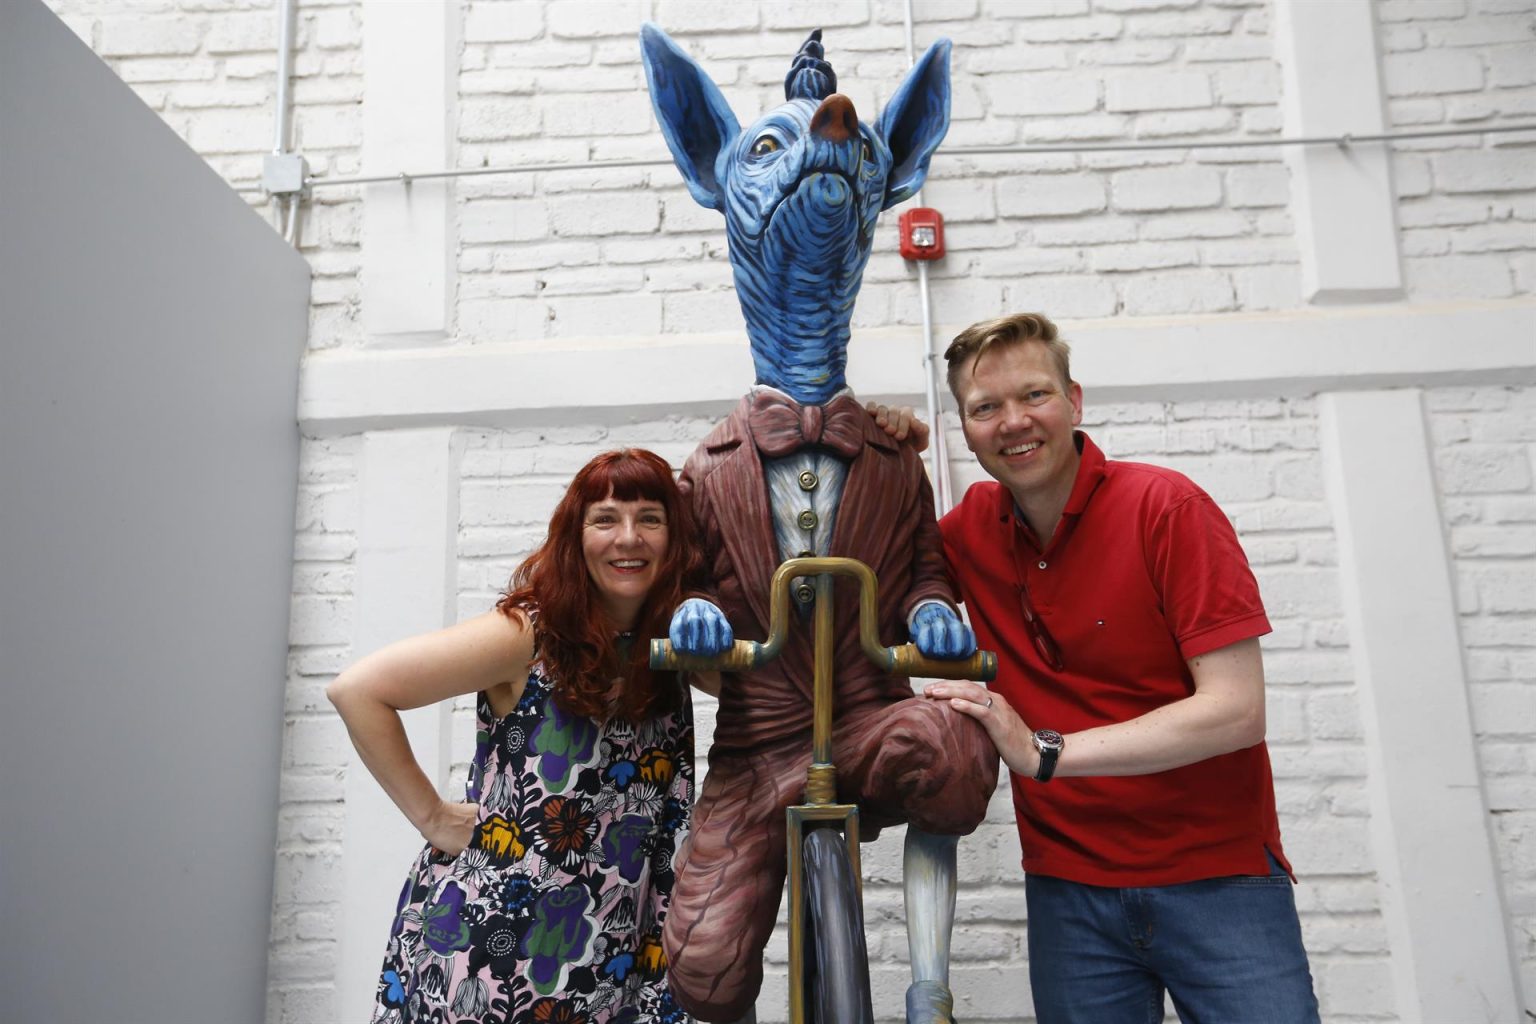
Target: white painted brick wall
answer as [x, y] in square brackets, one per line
[1466, 217]
[1485, 452]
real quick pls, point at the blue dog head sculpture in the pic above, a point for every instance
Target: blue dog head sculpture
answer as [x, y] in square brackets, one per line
[801, 190]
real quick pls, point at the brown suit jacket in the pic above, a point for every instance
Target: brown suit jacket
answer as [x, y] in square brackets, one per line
[885, 519]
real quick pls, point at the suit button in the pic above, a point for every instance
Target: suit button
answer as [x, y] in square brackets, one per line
[805, 593]
[807, 520]
[807, 481]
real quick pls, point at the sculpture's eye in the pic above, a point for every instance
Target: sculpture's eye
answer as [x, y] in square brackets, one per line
[764, 145]
[868, 154]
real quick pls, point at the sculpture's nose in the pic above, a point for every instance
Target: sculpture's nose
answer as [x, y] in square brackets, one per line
[835, 119]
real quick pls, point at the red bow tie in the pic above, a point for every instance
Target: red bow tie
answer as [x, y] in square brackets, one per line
[781, 426]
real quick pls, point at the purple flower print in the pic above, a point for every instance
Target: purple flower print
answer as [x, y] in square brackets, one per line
[443, 927]
[624, 845]
[560, 934]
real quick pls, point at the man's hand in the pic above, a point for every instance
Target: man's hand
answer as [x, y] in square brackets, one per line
[939, 633]
[1013, 739]
[700, 629]
[901, 423]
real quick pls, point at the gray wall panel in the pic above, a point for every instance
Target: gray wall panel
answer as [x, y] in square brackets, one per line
[150, 332]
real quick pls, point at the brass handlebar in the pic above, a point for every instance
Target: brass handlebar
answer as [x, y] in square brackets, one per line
[903, 659]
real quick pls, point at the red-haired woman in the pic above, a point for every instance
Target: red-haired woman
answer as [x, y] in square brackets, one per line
[542, 897]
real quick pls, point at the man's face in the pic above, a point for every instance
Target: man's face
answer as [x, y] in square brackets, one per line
[1018, 420]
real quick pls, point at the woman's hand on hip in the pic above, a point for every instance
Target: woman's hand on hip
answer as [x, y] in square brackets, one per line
[451, 827]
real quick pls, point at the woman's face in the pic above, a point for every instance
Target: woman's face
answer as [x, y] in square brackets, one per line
[624, 543]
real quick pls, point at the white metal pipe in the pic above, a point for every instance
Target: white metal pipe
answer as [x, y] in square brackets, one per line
[938, 454]
[282, 132]
[1104, 147]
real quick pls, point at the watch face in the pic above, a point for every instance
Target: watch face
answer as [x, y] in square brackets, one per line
[1048, 739]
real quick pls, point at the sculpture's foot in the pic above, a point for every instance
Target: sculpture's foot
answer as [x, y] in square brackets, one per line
[930, 1002]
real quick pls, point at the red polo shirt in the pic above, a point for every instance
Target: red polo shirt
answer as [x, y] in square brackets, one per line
[1143, 573]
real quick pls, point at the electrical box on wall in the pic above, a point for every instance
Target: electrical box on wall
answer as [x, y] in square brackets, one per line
[922, 234]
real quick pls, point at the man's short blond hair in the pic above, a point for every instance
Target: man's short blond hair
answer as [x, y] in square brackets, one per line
[1014, 329]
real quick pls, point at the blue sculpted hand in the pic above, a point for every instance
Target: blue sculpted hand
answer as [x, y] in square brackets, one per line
[939, 633]
[699, 628]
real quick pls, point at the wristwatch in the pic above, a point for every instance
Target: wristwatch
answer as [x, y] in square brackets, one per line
[1049, 743]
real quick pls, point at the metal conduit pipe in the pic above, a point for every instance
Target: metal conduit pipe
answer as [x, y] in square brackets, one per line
[406, 177]
[938, 451]
[282, 135]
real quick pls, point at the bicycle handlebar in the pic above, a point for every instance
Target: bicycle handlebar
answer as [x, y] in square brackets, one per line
[903, 659]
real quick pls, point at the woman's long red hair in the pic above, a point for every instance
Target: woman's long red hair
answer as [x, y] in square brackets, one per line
[574, 639]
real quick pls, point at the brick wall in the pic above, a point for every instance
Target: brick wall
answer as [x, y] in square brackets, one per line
[209, 68]
[1485, 454]
[1466, 212]
[580, 253]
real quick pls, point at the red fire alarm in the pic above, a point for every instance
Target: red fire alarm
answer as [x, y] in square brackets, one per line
[922, 234]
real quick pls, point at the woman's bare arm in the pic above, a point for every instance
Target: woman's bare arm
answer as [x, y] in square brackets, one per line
[490, 652]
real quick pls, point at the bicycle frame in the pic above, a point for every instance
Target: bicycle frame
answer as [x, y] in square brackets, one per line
[821, 804]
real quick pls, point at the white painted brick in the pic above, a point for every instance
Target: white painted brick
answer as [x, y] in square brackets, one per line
[1156, 90]
[242, 33]
[1245, 252]
[505, 220]
[989, 62]
[962, 200]
[701, 312]
[1333, 716]
[1067, 298]
[1178, 26]
[502, 319]
[1185, 291]
[600, 316]
[1419, 10]
[1144, 256]
[1063, 30]
[604, 215]
[314, 619]
[1047, 92]
[498, 118]
[1179, 123]
[1212, 224]
[1127, 52]
[1053, 195]
[627, 114]
[594, 18]
[1259, 185]
[500, 21]
[140, 36]
[1034, 8]
[1080, 128]
[1504, 709]
[1485, 171]
[1172, 188]
[1460, 277]
[1431, 72]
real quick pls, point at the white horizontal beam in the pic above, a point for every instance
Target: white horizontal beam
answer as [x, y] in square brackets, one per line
[1126, 359]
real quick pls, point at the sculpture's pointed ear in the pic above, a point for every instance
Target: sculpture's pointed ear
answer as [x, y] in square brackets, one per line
[695, 119]
[914, 122]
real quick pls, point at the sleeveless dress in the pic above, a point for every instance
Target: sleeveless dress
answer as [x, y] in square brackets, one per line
[553, 912]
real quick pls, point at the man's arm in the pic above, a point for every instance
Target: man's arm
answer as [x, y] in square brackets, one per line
[1225, 713]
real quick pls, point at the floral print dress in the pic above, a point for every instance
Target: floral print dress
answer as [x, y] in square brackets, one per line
[553, 913]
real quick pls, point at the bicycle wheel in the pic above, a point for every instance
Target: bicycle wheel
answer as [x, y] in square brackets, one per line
[837, 964]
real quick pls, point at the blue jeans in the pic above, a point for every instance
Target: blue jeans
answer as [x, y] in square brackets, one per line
[1228, 950]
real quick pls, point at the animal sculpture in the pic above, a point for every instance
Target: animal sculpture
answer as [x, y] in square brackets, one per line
[799, 469]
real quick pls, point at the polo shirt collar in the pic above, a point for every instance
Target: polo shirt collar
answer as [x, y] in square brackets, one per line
[1090, 473]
